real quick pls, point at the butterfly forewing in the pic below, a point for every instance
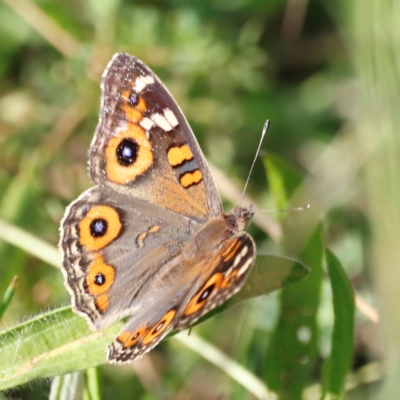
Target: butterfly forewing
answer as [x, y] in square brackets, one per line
[144, 147]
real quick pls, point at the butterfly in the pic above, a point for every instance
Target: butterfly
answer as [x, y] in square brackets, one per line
[150, 242]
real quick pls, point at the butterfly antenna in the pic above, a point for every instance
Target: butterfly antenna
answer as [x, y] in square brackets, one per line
[301, 208]
[264, 131]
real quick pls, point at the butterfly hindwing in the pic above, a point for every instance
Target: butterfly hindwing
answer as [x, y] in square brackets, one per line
[113, 252]
[206, 287]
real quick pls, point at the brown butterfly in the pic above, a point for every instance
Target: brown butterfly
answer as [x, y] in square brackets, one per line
[150, 241]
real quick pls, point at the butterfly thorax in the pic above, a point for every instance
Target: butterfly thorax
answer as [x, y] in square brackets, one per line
[215, 235]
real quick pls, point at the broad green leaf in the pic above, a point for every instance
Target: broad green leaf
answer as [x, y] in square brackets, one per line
[337, 366]
[293, 349]
[60, 342]
[50, 344]
[271, 273]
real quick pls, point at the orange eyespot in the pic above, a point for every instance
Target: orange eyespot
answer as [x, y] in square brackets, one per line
[129, 339]
[159, 327]
[99, 227]
[128, 154]
[204, 294]
[100, 276]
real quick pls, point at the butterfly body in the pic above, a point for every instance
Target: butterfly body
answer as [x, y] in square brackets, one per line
[150, 242]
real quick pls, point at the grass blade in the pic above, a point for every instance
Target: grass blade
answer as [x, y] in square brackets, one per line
[338, 365]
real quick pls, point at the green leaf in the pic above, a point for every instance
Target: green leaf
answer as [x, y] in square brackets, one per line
[8, 295]
[271, 273]
[337, 366]
[293, 350]
[292, 353]
[50, 344]
[60, 342]
[93, 384]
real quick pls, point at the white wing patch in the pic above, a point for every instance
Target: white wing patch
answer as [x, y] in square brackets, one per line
[167, 122]
[170, 116]
[161, 121]
[143, 81]
[146, 123]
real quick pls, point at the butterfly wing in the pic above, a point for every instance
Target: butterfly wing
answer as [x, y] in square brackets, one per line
[151, 174]
[213, 277]
[144, 147]
[142, 244]
[114, 251]
[138, 261]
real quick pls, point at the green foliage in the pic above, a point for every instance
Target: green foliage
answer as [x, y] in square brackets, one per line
[8, 295]
[293, 350]
[326, 75]
[59, 342]
[339, 362]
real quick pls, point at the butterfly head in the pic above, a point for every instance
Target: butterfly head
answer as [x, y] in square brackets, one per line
[239, 217]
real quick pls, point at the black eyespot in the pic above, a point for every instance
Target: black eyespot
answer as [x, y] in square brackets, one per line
[133, 99]
[98, 227]
[206, 293]
[99, 279]
[127, 152]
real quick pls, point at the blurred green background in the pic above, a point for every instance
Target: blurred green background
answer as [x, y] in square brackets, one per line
[326, 73]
